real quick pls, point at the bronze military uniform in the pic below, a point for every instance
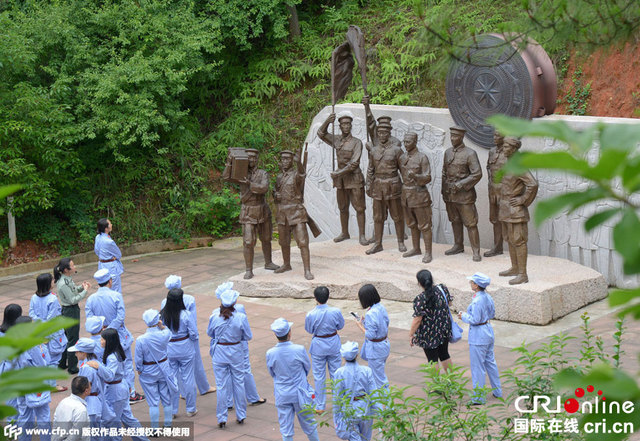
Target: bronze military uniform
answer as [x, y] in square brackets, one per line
[255, 215]
[494, 164]
[383, 181]
[416, 200]
[516, 194]
[291, 214]
[460, 173]
[348, 179]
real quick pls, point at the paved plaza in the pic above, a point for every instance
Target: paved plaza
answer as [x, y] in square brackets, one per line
[203, 269]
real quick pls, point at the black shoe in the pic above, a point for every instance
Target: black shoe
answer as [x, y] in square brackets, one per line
[222, 424]
[73, 370]
[259, 402]
[241, 421]
[229, 408]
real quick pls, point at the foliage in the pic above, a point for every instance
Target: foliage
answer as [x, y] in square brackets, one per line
[577, 96]
[614, 178]
[442, 409]
[18, 382]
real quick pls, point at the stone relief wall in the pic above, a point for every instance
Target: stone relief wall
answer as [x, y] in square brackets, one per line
[563, 236]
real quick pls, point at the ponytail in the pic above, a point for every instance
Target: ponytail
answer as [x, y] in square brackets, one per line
[64, 264]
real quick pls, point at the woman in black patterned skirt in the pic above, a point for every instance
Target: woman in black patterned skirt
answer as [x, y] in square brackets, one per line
[431, 325]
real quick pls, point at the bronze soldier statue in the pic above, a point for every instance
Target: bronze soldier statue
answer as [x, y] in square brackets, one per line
[516, 194]
[494, 163]
[291, 214]
[460, 173]
[383, 181]
[348, 179]
[255, 215]
[416, 200]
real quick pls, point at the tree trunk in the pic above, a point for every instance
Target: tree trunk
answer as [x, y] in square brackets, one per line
[294, 25]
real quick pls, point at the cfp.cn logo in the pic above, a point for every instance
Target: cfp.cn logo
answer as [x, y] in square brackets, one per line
[12, 431]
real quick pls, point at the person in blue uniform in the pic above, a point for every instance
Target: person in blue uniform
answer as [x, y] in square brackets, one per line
[199, 373]
[250, 388]
[108, 253]
[174, 315]
[375, 325]
[481, 338]
[154, 373]
[116, 391]
[94, 326]
[45, 306]
[107, 303]
[227, 329]
[289, 365]
[323, 323]
[353, 386]
[9, 316]
[34, 408]
[92, 368]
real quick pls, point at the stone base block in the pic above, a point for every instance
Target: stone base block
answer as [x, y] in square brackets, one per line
[556, 288]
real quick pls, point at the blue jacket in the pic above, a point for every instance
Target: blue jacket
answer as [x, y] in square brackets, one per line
[376, 325]
[324, 320]
[288, 365]
[109, 304]
[481, 310]
[235, 329]
[44, 309]
[106, 249]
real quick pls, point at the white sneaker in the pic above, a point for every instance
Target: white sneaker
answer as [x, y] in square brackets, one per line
[191, 414]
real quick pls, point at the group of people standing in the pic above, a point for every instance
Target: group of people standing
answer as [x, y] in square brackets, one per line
[169, 366]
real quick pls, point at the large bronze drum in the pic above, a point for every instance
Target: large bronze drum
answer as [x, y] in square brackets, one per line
[497, 76]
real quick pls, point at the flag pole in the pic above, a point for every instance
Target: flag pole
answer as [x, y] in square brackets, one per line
[333, 110]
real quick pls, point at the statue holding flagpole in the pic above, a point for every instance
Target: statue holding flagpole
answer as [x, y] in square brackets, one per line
[348, 179]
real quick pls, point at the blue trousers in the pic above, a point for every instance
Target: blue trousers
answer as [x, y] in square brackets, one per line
[116, 285]
[157, 391]
[129, 375]
[320, 363]
[35, 416]
[230, 382]
[379, 376]
[483, 362]
[286, 413]
[250, 389]
[200, 375]
[124, 418]
[183, 368]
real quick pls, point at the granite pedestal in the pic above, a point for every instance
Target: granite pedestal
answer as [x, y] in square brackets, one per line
[556, 288]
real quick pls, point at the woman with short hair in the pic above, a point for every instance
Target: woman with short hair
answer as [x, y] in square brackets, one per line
[431, 325]
[375, 325]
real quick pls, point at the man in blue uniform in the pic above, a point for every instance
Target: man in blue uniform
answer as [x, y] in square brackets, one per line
[289, 365]
[202, 383]
[323, 323]
[109, 304]
[108, 253]
[481, 337]
[352, 409]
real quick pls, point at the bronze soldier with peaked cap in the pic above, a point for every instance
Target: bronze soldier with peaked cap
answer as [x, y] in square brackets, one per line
[255, 215]
[494, 164]
[516, 194]
[383, 181]
[416, 200]
[348, 179]
[460, 173]
[291, 215]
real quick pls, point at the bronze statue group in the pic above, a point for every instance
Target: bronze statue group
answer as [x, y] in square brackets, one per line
[396, 181]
